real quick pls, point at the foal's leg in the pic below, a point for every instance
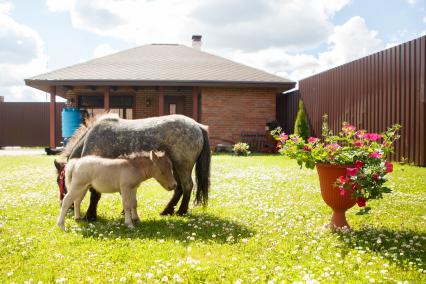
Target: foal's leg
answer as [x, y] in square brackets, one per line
[126, 198]
[94, 199]
[77, 203]
[134, 207]
[66, 203]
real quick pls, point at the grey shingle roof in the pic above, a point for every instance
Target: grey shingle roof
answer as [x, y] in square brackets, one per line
[160, 63]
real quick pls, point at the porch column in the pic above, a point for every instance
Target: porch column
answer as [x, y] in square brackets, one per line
[106, 98]
[161, 101]
[195, 103]
[52, 118]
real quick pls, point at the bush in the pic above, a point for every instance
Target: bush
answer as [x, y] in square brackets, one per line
[301, 125]
[241, 149]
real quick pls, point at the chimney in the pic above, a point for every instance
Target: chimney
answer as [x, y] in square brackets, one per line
[196, 42]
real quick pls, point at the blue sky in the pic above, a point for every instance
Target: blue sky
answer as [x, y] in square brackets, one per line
[290, 38]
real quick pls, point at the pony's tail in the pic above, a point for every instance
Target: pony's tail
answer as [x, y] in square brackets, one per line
[202, 171]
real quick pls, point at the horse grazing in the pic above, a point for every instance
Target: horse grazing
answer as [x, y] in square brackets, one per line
[184, 141]
[122, 175]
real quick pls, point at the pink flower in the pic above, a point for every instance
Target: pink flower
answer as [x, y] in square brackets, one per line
[361, 201]
[283, 137]
[375, 155]
[358, 143]
[333, 147]
[312, 139]
[295, 139]
[358, 164]
[389, 167]
[352, 171]
[359, 134]
[343, 191]
[348, 128]
[307, 148]
[372, 136]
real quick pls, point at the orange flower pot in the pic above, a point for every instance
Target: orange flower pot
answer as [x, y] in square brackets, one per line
[328, 175]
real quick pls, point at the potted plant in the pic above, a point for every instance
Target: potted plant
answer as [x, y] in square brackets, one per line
[351, 166]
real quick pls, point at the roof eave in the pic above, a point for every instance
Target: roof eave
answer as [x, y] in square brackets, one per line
[45, 85]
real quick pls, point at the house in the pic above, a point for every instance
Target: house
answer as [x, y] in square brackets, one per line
[160, 79]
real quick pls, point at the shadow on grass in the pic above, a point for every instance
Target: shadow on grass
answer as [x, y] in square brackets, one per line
[207, 228]
[400, 247]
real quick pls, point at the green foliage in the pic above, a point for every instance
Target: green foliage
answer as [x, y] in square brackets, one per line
[263, 224]
[241, 149]
[301, 125]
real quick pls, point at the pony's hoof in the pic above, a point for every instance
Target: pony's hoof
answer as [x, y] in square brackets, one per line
[130, 226]
[167, 212]
[181, 213]
[90, 218]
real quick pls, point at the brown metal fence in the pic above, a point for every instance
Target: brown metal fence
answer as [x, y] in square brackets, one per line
[373, 93]
[287, 107]
[27, 124]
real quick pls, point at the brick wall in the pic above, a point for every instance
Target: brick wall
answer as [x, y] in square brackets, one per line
[141, 108]
[230, 111]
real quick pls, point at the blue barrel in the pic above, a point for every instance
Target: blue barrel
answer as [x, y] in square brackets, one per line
[71, 119]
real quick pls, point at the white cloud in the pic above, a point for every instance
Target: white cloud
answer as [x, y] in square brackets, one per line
[348, 42]
[412, 2]
[424, 19]
[21, 55]
[228, 23]
[102, 50]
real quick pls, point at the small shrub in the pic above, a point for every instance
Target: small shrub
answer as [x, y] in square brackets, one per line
[241, 149]
[301, 125]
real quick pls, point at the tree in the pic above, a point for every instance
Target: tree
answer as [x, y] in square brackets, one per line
[301, 125]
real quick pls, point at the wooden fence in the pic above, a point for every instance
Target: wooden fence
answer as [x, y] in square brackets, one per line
[27, 124]
[373, 93]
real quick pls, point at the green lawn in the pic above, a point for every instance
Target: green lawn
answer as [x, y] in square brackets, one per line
[264, 223]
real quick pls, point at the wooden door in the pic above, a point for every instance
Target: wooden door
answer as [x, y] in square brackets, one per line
[174, 104]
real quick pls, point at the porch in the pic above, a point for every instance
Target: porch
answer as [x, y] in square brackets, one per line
[127, 101]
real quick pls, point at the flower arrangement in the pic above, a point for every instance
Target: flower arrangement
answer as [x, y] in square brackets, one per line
[363, 153]
[241, 149]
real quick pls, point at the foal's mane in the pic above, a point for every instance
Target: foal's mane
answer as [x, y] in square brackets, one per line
[82, 130]
[140, 155]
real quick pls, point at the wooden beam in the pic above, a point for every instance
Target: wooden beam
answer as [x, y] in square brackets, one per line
[160, 101]
[52, 118]
[106, 98]
[195, 103]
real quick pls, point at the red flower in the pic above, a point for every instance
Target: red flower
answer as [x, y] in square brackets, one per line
[352, 171]
[358, 164]
[358, 143]
[307, 148]
[375, 176]
[343, 191]
[342, 179]
[361, 201]
[359, 134]
[389, 167]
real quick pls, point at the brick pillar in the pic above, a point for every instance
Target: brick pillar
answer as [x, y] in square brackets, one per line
[52, 118]
[161, 101]
[195, 103]
[106, 98]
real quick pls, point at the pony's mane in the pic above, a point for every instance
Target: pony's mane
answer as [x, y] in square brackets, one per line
[84, 127]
